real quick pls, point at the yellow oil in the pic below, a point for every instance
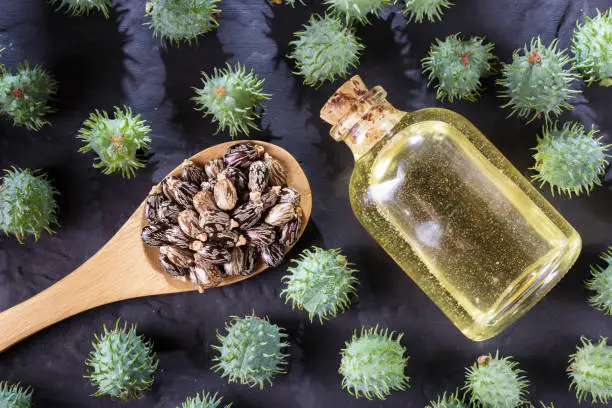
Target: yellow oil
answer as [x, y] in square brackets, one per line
[462, 222]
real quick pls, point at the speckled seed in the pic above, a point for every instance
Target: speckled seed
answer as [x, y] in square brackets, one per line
[213, 228]
[277, 172]
[237, 177]
[227, 238]
[208, 185]
[171, 268]
[179, 257]
[236, 264]
[214, 167]
[248, 214]
[212, 254]
[217, 217]
[258, 176]
[281, 214]
[203, 201]
[192, 173]
[225, 193]
[251, 255]
[152, 203]
[261, 235]
[289, 195]
[242, 154]
[167, 212]
[189, 223]
[270, 198]
[205, 275]
[165, 187]
[175, 236]
[291, 230]
[182, 191]
[155, 235]
[272, 254]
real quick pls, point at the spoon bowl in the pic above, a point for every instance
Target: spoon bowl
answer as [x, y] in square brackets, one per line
[125, 267]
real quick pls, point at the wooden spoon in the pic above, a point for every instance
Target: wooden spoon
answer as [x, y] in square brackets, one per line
[126, 268]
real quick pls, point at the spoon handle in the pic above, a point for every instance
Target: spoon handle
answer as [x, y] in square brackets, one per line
[118, 271]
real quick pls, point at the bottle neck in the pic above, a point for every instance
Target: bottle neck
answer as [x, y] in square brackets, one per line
[360, 117]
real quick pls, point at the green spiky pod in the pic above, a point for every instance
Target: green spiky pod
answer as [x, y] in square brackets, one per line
[115, 140]
[601, 284]
[182, 20]
[494, 382]
[454, 400]
[25, 95]
[592, 46]
[251, 352]
[590, 370]
[80, 7]
[418, 10]
[357, 11]
[373, 364]
[320, 282]
[457, 65]
[233, 98]
[538, 81]
[569, 158]
[324, 50]
[15, 396]
[27, 204]
[122, 364]
[206, 401]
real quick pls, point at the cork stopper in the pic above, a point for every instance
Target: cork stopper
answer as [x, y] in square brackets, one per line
[344, 100]
[359, 116]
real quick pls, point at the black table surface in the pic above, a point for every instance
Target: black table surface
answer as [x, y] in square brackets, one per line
[101, 63]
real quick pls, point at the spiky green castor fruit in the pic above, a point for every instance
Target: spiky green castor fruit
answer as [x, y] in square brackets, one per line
[456, 66]
[233, 98]
[324, 50]
[206, 401]
[538, 81]
[454, 400]
[25, 95]
[15, 396]
[357, 11]
[373, 364]
[418, 10]
[122, 364]
[115, 140]
[251, 352]
[601, 284]
[182, 20]
[494, 382]
[569, 158]
[27, 204]
[592, 46]
[320, 282]
[590, 370]
[80, 7]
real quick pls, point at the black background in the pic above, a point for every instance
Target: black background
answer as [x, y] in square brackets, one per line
[101, 63]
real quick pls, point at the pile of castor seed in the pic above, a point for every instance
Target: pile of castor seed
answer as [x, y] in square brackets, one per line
[220, 220]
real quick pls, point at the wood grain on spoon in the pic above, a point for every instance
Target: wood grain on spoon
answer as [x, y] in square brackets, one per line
[126, 268]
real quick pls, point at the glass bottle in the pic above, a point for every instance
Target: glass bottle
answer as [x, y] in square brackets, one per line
[450, 209]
